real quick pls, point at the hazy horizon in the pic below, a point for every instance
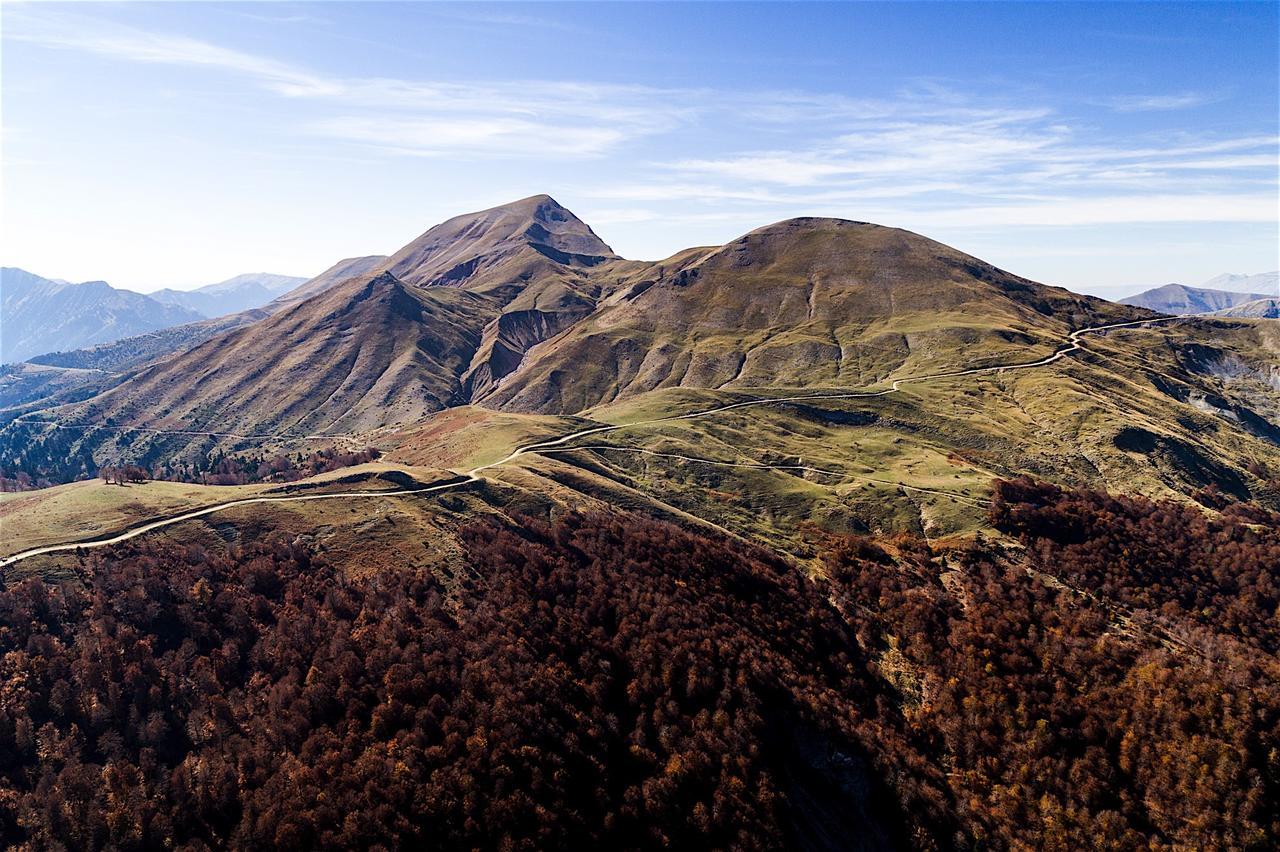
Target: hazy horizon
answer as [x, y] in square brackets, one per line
[1116, 292]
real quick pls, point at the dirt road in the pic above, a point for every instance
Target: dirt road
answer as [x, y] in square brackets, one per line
[1073, 344]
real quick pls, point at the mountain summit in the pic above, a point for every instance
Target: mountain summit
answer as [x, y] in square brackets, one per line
[241, 293]
[476, 250]
[801, 303]
[1180, 299]
[380, 340]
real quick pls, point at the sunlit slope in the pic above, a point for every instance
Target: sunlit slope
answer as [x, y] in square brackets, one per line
[1189, 411]
[365, 353]
[523, 310]
[93, 508]
[445, 318]
[803, 303]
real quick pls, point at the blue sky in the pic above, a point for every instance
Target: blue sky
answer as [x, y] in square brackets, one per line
[1096, 146]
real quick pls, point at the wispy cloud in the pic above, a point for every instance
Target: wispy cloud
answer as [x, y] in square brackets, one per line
[406, 116]
[1111, 210]
[127, 43]
[932, 154]
[1158, 103]
[905, 144]
[282, 19]
[480, 16]
[943, 158]
[471, 137]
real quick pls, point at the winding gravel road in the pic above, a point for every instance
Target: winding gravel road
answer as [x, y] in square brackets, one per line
[1073, 344]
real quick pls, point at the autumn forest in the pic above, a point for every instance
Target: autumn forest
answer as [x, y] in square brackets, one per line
[608, 681]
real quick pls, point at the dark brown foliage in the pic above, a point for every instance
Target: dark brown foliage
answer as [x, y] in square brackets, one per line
[219, 469]
[123, 474]
[1170, 560]
[613, 682]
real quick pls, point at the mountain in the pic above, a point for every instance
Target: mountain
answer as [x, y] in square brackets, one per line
[241, 293]
[435, 325]
[42, 315]
[801, 303]
[543, 265]
[1267, 283]
[1180, 299]
[1257, 309]
[523, 307]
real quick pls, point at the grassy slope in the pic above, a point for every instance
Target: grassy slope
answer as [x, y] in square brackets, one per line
[953, 435]
[466, 437]
[804, 303]
[92, 507]
[1063, 423]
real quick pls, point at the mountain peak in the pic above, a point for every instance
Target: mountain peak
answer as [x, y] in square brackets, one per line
[843, 247]
[531, 203]
[1181, 299]
[813, 223]
[538, 219]
[451, 252]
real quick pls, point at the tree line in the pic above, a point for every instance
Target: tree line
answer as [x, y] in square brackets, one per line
[218, 468]
[55, 460]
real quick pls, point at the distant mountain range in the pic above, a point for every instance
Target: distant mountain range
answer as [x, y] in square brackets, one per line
[241, 293]
[40, 314]
[1180, 299]
[1262, 282]
[1257, 309]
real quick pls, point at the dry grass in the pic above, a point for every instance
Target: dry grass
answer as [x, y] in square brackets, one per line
[91, 508]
